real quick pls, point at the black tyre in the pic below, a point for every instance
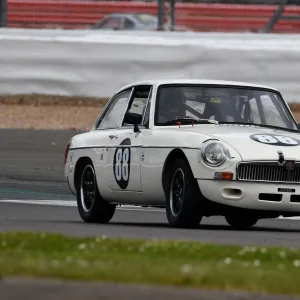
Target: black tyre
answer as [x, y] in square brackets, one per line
[183, 200]
[91, 206]
[241, 221]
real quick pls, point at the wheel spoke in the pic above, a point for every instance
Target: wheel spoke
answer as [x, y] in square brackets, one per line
[177, 191]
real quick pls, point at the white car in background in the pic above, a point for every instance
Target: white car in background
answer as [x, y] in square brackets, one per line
[196, 147]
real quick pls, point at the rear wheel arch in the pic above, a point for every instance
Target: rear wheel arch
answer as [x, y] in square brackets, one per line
[91, 206]
[80, 164]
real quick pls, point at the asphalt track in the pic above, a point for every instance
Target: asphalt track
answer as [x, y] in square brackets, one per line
[31, 169]
[34, 196]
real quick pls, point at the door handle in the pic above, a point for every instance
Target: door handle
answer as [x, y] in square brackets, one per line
[113, 136]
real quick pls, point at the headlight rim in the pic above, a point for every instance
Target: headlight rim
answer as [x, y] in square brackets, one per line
[224, 150]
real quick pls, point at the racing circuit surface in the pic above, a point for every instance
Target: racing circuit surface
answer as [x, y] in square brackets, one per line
[35, 197]
[31, 172]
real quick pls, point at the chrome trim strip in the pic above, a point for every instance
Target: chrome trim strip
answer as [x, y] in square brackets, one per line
[132, 146]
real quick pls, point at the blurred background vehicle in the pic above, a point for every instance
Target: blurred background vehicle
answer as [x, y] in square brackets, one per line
[280, 16]
[132, 21]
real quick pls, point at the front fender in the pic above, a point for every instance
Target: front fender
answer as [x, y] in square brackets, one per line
[202, 171]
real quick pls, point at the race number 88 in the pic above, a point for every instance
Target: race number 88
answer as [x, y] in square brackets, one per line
[121, 165]
[276, 139]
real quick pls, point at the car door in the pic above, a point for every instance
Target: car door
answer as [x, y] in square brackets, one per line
[123, 165]
[107, 128]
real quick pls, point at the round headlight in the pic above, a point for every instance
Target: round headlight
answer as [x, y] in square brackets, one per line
[214, 154]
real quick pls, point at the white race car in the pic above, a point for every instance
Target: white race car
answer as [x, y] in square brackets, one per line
[195, 147]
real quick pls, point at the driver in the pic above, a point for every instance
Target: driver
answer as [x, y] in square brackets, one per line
[170, 104]
[219, 106]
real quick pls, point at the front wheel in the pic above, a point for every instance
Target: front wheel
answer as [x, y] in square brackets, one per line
[183, 200]
[241, 221]
[91, 206]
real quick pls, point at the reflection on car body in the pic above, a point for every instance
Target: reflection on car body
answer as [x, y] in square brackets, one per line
[196, 147]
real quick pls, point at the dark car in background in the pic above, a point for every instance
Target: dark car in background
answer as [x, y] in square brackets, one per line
[131, 21]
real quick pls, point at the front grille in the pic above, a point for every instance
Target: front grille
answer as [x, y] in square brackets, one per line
[270, 172]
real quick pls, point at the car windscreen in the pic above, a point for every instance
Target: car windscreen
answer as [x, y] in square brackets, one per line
[223, 104]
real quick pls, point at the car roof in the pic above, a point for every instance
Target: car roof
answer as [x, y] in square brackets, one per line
[197, 81]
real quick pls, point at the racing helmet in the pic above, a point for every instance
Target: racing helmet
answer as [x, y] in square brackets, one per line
[171, 104]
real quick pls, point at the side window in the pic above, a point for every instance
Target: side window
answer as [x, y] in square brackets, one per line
[139, 103]
[128, 24]
[114, 115]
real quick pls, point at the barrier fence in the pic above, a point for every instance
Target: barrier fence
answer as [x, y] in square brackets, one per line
[195, 16]
[85, 63]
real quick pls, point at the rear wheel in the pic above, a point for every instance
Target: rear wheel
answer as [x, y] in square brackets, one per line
[91, 206]
[241, 221]
[183, 200]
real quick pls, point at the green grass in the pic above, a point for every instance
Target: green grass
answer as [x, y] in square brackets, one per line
[193, 264]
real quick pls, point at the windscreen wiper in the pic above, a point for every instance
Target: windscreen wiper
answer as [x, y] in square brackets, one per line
[257, 124]
[189, 120]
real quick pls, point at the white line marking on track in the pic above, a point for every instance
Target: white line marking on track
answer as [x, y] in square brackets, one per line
[289, 218]
[42, 202]
[74, 204]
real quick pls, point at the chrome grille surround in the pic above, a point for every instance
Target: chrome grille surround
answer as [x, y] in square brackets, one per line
[270, 171]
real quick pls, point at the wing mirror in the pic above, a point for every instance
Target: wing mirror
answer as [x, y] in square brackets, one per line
[134, 119]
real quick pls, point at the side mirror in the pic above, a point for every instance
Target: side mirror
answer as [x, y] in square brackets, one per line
[134, 119]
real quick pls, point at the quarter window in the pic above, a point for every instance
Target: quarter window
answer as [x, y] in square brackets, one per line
[138, 104]
[114, 115]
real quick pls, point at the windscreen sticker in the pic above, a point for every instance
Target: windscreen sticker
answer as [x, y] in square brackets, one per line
[275, 139]
[215, 100]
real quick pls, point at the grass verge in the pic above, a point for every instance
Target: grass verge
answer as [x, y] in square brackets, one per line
[191, 264]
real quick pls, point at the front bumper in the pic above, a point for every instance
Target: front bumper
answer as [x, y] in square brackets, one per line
[249, 194]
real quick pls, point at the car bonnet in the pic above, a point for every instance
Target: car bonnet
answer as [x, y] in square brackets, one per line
[256, 143]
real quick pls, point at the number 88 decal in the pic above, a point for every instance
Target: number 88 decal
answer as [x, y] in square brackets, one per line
[122, 166]
[276, 140]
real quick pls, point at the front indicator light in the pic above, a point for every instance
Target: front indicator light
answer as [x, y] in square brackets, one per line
[223, 175]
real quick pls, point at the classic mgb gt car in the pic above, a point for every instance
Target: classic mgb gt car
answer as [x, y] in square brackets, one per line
[195, 147]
